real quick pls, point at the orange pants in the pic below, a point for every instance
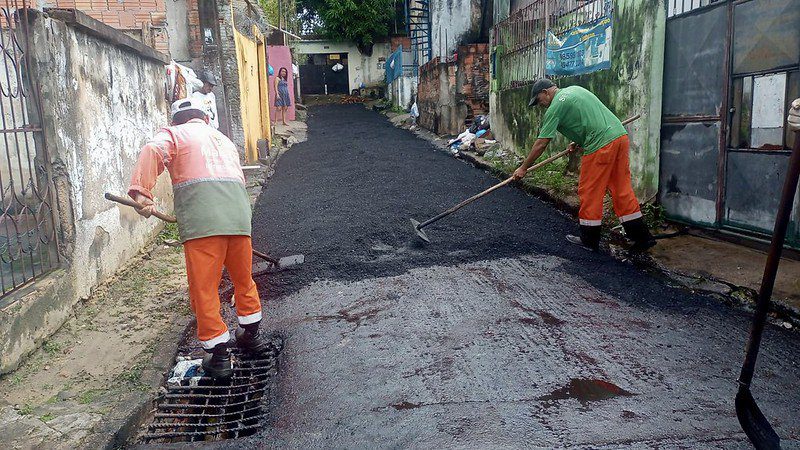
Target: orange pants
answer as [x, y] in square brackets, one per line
[205, 258]
[607, 169]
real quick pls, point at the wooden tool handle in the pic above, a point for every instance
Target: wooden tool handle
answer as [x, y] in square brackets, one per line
[134, 204]
[265, 257]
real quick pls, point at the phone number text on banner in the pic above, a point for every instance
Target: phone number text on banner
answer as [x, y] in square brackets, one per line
[580, 50]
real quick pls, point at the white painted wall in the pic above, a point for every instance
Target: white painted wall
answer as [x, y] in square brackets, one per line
[450, 19]
[360, 68]
[402, 91]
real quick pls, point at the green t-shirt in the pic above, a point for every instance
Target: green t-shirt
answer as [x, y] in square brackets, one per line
[582, 118]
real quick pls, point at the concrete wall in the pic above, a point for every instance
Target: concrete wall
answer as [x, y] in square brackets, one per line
[360, 68]
[455, 23]
[178, 30]
[401, 91]
[101, 104]
[436, 97]
[632, 86]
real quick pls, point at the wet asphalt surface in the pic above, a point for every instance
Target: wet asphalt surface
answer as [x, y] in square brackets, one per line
[497, 334]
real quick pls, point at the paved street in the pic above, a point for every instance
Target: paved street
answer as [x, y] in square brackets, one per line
[497, 334]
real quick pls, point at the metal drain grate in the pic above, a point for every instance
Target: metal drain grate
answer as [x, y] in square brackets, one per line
[215, 410]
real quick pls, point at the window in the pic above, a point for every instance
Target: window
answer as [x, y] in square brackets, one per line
[759, 105]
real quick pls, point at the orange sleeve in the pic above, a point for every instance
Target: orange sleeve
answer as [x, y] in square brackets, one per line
[155, 156]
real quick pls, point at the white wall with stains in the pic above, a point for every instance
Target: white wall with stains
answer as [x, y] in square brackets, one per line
[101, 104]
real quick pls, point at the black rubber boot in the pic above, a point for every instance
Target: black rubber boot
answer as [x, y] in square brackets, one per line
[637, 231]
[217, 363]
[590, 237]
[249, 340]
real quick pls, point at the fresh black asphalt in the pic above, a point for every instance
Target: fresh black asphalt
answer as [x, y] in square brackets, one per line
[387, 338]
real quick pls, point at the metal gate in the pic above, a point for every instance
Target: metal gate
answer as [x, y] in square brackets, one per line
[28, 235]
[731, 69]
[319, 78]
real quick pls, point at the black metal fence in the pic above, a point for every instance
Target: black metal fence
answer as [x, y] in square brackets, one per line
[28, 236]
[522, 36]
[678, 7]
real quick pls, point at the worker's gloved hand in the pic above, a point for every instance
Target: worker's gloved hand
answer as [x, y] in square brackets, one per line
[519, 173]
[794, 116]
[148, 208]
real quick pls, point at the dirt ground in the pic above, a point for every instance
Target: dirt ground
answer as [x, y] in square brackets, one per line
[98, 366]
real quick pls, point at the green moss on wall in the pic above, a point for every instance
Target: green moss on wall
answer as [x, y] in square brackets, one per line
[630, 87]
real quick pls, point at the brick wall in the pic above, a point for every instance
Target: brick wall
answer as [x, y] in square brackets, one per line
[195, 34]
[149, 16]
[451, 93]
[397, 41]
[472, 80]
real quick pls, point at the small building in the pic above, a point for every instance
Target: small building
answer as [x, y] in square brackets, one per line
[319, 72]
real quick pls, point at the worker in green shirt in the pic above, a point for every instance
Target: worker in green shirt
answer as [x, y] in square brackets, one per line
[593, 129]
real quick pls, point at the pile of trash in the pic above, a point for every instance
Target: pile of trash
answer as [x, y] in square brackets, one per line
[350, 99]
[472, 136]
[187, 372]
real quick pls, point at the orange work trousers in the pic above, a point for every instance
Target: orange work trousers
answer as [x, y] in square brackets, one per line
[607, 169]
[205, 258]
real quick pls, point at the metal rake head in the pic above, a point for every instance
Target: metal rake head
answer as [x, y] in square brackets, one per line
[419, 231]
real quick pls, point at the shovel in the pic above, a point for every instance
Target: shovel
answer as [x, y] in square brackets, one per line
[753, 422]
[419, 226]
[278, 264]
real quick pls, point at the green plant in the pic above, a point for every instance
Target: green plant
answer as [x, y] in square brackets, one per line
[51, 347]
[47, 417]
[653, 215]
[16, 379]
[553, 178]
[26, 410]
[169, 233]
[88, 396]
[361, 22]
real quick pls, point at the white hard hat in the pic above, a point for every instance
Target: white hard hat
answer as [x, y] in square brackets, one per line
[186, 104]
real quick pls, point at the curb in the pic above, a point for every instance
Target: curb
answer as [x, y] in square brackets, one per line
[117, 430]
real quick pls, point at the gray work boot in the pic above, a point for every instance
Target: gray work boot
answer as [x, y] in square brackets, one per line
[572, 239]
[589, 238]
[217, 363]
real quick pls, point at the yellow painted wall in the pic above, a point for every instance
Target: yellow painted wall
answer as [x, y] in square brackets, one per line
[251, 60]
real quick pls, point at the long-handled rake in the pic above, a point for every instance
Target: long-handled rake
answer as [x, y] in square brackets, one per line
[753, 422]
[279, 264]
[419, 226]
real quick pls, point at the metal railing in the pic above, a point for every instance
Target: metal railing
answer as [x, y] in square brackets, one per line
[28, 237]
[678, 7]
[522, 36]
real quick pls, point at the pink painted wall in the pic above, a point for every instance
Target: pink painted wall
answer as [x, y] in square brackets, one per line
[280, 56]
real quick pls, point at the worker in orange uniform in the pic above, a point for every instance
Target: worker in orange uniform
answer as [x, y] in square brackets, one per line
[214, 220]
[593, 128]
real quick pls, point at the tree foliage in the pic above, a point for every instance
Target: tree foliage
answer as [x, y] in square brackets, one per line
[359, 21]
